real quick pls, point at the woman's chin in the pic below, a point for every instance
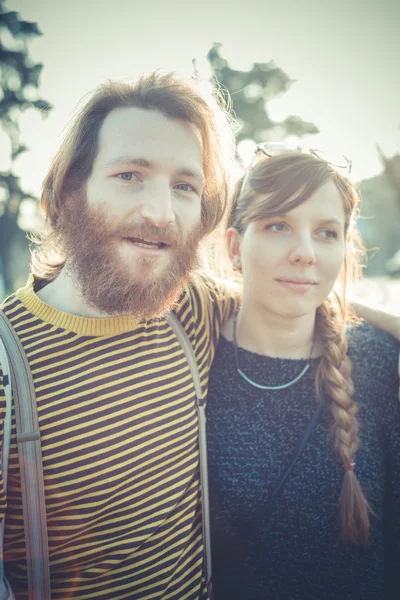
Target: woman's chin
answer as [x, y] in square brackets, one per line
[295, 310]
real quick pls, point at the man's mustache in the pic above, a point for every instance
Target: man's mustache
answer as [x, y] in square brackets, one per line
[148, 232]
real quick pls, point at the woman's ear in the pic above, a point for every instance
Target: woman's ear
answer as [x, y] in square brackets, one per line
[233, 240]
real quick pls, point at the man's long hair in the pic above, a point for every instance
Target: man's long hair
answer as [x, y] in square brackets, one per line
[187, 100]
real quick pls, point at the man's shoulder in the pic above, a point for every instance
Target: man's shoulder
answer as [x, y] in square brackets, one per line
[5, 302]
[9, 303]
[212, 288]
[207, 302]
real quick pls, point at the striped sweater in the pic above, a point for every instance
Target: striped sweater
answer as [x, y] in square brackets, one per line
[120, 454]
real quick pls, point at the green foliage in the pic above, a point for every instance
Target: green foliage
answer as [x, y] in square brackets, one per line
[250, 92]
[391, 167]
[19, 83]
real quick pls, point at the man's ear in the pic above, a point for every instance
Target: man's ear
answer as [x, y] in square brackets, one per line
[234, 241]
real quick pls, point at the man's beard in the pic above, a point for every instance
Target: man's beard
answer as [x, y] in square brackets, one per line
[90, 246]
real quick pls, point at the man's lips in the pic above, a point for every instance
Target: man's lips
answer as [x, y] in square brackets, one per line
[147, 247]
[148, 243]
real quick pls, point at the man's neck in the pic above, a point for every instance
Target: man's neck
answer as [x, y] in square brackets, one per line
[269, 334]
[63, 294]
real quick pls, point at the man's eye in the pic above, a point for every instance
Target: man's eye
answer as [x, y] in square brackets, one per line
[184, 187]
[128, 176]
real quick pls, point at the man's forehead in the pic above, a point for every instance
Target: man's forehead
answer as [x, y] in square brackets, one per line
[137, 131]
[125, 121]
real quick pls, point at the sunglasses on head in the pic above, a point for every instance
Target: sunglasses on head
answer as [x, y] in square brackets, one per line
[273, 149]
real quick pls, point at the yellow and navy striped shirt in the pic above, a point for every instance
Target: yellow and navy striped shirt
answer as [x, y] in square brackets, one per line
[118, 425]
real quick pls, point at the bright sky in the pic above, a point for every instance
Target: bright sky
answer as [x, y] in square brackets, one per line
[344, 56]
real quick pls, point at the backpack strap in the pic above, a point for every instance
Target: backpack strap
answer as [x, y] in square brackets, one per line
[30, 464]
[200, 407]
[5, 591]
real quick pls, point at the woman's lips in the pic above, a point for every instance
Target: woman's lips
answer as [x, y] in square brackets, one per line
[300, 285]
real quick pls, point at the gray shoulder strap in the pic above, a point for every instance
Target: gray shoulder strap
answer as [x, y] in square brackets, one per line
[5, 590]
[190, 356]
[30, 464]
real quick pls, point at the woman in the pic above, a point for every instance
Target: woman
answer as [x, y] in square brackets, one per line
[303, 415]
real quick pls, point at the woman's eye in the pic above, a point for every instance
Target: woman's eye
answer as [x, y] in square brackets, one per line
[184, 187]
[277, 227]
[128, 176]
[329, 234]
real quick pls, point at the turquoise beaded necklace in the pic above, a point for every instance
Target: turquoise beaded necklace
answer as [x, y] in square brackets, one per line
[258, 385]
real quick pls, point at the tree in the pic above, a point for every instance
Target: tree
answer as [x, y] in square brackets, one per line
[391, 172]
[20, 77]
[250, 92]
[391, 166]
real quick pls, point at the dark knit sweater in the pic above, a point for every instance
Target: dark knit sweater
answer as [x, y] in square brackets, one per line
[252, 435]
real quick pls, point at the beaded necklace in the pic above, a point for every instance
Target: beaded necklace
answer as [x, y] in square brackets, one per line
[258, 385]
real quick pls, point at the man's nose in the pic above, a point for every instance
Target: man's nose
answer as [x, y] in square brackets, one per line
[303, 250]
[157, 206]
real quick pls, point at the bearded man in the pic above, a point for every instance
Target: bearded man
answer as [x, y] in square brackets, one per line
[139, 180]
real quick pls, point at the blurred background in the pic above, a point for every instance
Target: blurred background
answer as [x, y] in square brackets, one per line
[317, 73]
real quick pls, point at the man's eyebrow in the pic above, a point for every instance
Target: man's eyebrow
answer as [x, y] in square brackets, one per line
[129, 160]
[143, 162]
